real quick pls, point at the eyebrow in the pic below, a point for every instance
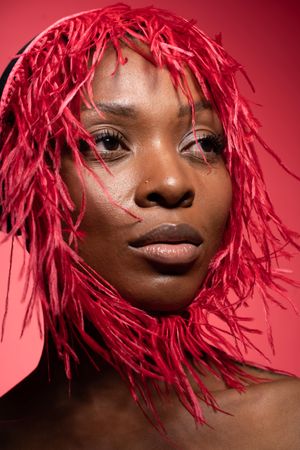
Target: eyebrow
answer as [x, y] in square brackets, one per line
[119, 109]
[199, 106]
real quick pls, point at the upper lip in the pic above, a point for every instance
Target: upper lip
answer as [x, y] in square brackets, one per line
[169, 233]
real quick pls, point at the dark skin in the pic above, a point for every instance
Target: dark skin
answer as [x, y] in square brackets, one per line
[100, 415]
[157, 173]
[160, 177]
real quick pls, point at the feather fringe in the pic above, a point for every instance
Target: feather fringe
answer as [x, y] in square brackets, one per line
[39, 119]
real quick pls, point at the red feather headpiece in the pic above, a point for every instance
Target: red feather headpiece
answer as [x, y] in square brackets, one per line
[39, 116]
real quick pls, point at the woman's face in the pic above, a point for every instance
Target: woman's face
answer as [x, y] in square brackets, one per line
[159, 174]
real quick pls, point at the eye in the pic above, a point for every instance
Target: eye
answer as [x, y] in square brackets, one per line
[107, 141]
[110, 144]
[203, 145]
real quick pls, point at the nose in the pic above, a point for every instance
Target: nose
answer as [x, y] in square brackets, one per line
[166, 181]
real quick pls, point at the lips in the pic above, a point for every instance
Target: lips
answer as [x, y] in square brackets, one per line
[169, 244]
[169, 233]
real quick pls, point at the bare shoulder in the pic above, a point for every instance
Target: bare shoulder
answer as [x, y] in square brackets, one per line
[278, 394]
[280, 397]
[282, 403]
[266, 416]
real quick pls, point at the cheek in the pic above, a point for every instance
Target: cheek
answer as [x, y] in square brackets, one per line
[108, 207]
[219, 200]
[101, 199]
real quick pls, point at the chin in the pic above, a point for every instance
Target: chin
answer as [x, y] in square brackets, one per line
[162, 305]
[162, 295]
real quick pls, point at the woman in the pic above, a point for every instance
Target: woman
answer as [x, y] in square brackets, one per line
[142, 204]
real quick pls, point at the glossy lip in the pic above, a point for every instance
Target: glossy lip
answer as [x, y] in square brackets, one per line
[169, 234]
[170, 245]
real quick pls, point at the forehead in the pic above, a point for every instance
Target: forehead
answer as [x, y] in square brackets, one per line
[139, 82]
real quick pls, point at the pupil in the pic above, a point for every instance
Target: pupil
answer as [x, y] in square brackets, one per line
[206, 145]
[110, 143]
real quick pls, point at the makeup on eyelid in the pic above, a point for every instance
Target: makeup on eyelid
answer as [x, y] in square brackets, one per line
[114, 146]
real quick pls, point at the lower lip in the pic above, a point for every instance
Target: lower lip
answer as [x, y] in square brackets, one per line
[183, 253]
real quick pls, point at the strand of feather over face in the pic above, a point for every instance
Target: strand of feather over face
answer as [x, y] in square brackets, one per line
[40, 115]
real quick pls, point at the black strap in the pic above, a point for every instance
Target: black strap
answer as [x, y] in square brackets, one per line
[9, 67]
[3, 80]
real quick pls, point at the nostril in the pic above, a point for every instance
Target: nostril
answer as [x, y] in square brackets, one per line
[154, 197]
[185, 200]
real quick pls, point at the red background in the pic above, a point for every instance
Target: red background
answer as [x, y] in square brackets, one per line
[264, 36]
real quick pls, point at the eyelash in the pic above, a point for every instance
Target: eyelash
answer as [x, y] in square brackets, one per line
[111, 153]
[211, 145]
[109, 134]
[218, 142]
